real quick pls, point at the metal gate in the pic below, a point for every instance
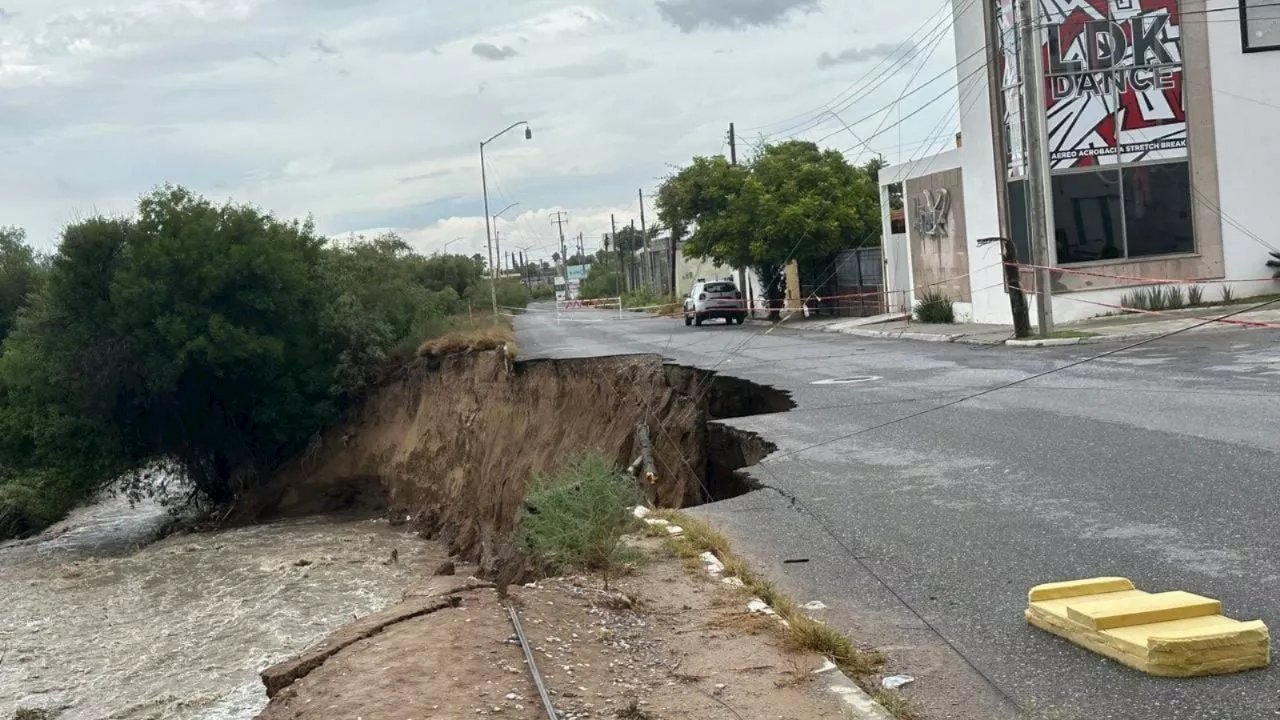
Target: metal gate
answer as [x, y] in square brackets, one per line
[851, 286]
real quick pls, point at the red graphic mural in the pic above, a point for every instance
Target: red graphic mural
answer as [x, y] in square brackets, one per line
[1113, 85]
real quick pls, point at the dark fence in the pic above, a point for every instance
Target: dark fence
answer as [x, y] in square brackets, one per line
[850, 285]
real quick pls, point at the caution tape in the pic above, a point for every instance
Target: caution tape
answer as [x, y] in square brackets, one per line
[1133, 278]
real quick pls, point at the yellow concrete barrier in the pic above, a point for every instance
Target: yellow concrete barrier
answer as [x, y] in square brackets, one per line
[1171, 634]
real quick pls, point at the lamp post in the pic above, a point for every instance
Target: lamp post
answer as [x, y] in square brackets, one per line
[446, 245]
[484, 183]
[497, 237]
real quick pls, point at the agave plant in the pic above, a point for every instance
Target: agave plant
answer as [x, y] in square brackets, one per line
[1274, 262]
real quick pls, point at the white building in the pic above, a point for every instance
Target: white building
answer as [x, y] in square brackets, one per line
[1163, 150]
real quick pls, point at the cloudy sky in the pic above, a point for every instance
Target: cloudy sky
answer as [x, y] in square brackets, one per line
[367, 114]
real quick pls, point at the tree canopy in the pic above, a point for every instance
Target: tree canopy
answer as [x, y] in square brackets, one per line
[208, 342]
[791, 201]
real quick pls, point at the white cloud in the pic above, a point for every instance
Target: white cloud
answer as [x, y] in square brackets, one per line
[368, 113]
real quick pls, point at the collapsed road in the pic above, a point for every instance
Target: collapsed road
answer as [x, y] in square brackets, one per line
[923, 535]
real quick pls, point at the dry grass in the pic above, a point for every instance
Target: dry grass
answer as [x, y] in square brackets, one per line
[804, 633]
[472, 335]
[897, 704]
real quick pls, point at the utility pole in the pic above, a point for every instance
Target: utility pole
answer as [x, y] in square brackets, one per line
[559, 218]
[639, 271]
[617, 246]
[1039, 199]
[497, 244]
[733, 160]
[647, 268]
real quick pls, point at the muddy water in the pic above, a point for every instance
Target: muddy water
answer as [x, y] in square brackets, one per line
[95, 628]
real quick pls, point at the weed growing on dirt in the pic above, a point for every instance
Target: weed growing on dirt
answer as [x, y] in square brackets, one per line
[25, 714]
[574, 519]
[802, 632]
[896, 703]
[470, 335]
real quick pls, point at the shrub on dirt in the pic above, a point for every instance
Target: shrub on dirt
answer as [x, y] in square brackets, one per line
[575, 518]
[934, 307]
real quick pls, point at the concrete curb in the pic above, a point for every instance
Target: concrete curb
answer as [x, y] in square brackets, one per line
[854, 698]
[1048, 342]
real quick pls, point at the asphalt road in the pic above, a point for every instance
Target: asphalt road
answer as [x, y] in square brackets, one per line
[923, 536]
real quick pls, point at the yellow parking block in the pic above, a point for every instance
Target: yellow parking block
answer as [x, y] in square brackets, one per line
[1171, 634]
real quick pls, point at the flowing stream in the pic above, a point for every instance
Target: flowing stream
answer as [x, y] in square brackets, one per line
[95, 626]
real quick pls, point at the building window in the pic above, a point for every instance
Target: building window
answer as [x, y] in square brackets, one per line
[1086, 214]
[1157, 210]
[1259, 25]
[1115, 122]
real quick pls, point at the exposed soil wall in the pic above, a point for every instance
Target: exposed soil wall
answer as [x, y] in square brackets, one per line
[449, 444]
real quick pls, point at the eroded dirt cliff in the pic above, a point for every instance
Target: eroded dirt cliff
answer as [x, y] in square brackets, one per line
[449, 444]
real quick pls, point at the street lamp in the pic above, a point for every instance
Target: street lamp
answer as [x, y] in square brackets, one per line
[497, 237]
[484, 183]
[446, 245]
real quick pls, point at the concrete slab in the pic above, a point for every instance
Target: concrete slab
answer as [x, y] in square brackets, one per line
[1170, 634]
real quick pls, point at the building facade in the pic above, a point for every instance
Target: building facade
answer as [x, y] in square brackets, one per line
[1161, 152]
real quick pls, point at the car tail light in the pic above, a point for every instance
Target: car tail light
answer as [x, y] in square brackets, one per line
[703, 296]
[737, 296]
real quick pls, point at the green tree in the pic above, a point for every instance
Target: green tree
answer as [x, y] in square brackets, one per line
[22, 272]
[792, 201]
[194, 335]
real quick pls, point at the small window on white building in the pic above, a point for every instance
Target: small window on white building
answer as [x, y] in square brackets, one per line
[1259, 25]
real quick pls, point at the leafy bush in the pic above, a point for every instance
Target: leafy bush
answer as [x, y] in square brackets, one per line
[1195, 295]
[934, 307]
[574, 519]
[210, 340]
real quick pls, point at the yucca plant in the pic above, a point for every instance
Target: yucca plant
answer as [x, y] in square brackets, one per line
[1228, 294]
[1274, 263]
[1195, 295]
[934, 307]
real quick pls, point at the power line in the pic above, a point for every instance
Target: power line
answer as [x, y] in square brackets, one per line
[945, 6]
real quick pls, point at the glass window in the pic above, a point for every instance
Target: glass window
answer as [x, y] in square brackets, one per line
[1086, 208]
[1259, 25]
[1157, 209]
[720, 287]
[1018, 220]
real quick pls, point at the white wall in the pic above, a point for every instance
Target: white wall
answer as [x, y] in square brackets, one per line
[1248, 149]
[977, 157]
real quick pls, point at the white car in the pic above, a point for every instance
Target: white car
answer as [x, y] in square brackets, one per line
[714, 299]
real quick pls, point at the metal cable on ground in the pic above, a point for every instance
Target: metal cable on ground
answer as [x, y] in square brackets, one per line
[533, 666]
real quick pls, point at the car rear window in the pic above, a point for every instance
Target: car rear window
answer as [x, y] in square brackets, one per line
[720, 287]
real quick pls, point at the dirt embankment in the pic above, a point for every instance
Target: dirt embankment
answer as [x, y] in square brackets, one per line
[449, 444]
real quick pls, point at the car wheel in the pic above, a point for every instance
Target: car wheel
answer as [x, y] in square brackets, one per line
[697, 320]
[688, 320]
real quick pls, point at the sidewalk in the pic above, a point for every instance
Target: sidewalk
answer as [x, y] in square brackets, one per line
[1095, 330]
